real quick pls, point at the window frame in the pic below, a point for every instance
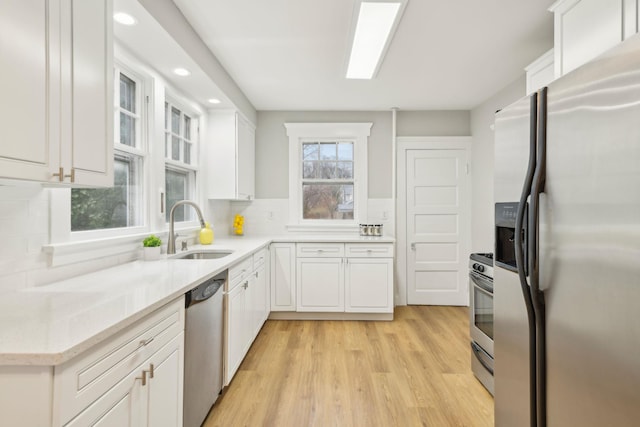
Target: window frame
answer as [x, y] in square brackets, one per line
[299, 133]
[172, 99]
[141, 151]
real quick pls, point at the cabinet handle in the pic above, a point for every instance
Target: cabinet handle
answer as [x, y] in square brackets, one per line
[151, 368]
[256, 273]
[413, 246]
[246, 284]
[143, 378]
[61, 176]
[144, 343]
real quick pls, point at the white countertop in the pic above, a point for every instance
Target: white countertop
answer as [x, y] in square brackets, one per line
[51, 324]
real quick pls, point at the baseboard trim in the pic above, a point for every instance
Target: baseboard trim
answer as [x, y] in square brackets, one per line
[294, 315]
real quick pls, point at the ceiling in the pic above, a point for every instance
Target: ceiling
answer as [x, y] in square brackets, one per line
[151, 44]
[291, 54]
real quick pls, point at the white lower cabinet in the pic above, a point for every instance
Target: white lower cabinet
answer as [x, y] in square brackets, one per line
[283, 276]
[236, 327]
[320, 284]
[369, 285]
[247, 302]
[134, 378]
[260, 303]
[344, 277]
[151, 395]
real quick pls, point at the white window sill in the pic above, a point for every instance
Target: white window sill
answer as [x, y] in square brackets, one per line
[87, 250]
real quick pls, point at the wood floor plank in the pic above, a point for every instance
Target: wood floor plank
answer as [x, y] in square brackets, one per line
[414, 371]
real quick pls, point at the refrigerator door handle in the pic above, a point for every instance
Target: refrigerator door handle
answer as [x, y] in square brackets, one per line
[520, 242]
[537, 296]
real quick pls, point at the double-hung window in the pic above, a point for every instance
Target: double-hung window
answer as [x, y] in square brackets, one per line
[181, 149]
[327, 180]
[327, 175]
[121, 206]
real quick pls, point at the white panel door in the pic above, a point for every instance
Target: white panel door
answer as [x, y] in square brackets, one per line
[435, 216]
[320, 283]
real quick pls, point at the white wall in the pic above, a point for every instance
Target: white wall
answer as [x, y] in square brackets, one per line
[482, 117]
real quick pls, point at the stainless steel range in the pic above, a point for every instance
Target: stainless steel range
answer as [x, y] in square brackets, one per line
[481, 317]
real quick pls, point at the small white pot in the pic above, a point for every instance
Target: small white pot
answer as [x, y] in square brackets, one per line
[151, 254]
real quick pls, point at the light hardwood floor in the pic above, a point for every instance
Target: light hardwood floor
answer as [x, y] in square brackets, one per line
[414, 371]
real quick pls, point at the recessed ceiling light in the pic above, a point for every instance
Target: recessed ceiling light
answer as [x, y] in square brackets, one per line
[182, 72]
[124, 18]
[214, 101]
[375, 26]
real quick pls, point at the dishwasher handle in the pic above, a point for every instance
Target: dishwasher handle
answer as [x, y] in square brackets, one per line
[203, 291]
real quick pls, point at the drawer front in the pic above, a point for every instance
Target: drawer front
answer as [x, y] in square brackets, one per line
[259, 258]
[85, 378]
[240, 271]
[369, 250]
[320, 250]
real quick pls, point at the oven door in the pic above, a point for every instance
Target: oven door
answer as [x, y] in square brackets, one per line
[481, 311]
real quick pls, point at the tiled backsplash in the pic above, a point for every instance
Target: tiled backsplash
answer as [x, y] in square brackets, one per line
[24, 228]
[270, 216]
[25, 219]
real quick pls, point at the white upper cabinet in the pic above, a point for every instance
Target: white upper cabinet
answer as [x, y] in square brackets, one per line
[230, 162]
[57, 82]
[583, 29]
[540, 72]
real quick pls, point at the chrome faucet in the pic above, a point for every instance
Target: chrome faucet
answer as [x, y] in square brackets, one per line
[171, 243]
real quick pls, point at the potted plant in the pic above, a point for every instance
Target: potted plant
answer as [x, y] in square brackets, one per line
[151, 248]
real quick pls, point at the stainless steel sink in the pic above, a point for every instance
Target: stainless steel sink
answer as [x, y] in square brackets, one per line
[203, 255]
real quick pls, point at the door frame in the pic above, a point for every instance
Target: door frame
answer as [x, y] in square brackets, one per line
[424, 143]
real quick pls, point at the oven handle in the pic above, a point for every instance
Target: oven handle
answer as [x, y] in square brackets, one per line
[479, 352]
[481, 282]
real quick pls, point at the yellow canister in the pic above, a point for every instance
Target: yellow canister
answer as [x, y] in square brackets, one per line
[206, 234]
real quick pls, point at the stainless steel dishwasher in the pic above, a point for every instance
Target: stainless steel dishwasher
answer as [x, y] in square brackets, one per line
[203, 349]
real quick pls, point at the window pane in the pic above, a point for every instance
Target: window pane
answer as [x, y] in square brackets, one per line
[167, 144]
[177, 188]
[345, 151]
[187, 153]
[175, 148]
[310, 151]
[345, 170]
[115, 207]
[127, 130]
[175, 120]
[328, 151]
[127, 93]
[309, 169]
[187, 127]
[328, 170]
[327, 201]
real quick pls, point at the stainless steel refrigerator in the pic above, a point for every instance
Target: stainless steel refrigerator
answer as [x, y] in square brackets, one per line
[567, 255]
